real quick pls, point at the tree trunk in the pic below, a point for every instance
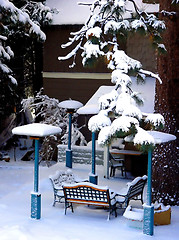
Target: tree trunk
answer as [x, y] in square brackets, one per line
[165, 163]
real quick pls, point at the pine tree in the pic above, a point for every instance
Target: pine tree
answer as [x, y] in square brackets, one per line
[100, 39]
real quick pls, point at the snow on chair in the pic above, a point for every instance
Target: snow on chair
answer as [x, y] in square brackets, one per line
[134, 191]
[60, 178]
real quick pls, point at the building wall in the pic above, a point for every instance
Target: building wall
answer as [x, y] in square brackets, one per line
[62, 82]
[80, 83]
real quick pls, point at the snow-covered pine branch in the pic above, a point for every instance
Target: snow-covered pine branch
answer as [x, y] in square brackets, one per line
[151, 74]
[100, 38]
[175, 1]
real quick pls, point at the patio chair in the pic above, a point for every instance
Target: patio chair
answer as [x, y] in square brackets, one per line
[116, 163]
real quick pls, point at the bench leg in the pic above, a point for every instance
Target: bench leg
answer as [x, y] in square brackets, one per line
[68, 205]
[72, 208]
[66, 208]
[111, 210]
[111, 172]
[108, 216]
[54, 201]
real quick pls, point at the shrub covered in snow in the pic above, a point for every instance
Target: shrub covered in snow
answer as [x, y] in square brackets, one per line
[47, 110]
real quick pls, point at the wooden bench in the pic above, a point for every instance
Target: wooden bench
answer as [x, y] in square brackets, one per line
[89, 194]
[134, 191]
[60, 178]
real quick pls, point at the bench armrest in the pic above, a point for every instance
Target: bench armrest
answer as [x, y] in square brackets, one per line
[57, 188]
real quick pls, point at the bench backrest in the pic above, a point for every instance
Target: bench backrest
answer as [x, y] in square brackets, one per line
[86, 194]
[136, 187]
[62, 177]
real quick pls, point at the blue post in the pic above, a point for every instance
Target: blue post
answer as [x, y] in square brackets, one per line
[93, 153]
[69, 131]
[93, 178]
[36, 166]
[149, 180]
[148, 208]
[36, 196]
[69, 151]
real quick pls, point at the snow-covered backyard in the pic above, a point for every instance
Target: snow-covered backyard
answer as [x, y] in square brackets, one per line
[84, 224]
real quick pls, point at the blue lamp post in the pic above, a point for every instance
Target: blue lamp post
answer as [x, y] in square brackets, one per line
[91, 109]
[71, 106]
[36, 131]
[69, 151]
[93, 177]
[148, 226]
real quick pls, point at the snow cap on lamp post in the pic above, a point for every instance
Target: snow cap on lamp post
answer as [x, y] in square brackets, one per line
[36, 130]
[70, 105]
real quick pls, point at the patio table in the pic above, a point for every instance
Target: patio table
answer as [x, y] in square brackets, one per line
[125, 152]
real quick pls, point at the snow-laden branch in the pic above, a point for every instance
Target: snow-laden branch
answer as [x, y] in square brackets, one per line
[175, 1]
[151, 74]
[72, 53]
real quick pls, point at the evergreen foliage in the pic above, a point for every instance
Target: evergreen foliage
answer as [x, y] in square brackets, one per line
[108, 25]
[19, 35]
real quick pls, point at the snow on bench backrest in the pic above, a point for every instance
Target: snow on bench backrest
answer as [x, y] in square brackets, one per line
[61, 177]
[86, 193]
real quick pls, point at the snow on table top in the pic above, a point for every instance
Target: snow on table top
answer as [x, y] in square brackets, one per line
[70, 104]
[36, 130]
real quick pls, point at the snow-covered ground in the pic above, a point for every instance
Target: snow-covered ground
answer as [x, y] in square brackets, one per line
[84, 224]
